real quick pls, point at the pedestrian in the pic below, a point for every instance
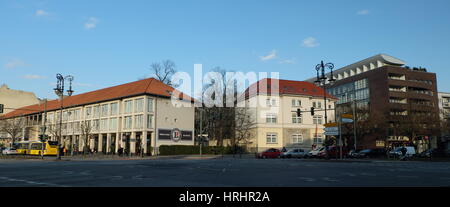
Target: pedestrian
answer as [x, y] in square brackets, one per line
[403, 150]
[284, 149]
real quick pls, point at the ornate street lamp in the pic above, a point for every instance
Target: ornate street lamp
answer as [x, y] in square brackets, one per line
[323, 81]
[59, 91]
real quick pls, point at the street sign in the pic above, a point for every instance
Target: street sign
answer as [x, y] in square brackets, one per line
[345, 120]
[333, 133]
[331, 129]
[348, 116]
[330, 125]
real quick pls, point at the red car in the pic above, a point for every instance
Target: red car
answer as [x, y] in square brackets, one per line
[270, 153]
[333, 152]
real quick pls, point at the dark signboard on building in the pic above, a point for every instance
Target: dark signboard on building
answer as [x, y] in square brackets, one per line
[174, 135]
[164, 134]
[186, 135]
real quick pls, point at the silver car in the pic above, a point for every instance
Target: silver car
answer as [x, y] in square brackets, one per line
[294, 153]
[9, 151]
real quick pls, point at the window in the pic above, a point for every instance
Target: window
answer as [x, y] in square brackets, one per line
[76, 114]
[113, 124]
[271, 102]
[95, 125]
[65, 116]
[296, 119]
[114, 109]
[271, 118]
[150, 105]
[318, 139]
[138, 121]
[127, 122]
[297, 138]
[104, 109]
[96, 111]
[314, 105]
[104, 124]
[149, 121]
[296, 103]
[88, 112]
[317, 120]
[319, 105]
[271, 138]
[128, 104]
[139, 107]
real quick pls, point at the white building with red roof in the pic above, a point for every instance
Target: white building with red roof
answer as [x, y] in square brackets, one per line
[273, 104]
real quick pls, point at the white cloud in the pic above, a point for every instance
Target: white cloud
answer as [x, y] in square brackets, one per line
[91, 23]
[310, 42]
[33, 77]
[15, 63]
[41, 12]
[288, 61]
[363, 12]
[270, 56]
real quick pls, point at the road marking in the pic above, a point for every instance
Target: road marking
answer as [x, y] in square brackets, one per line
[406, 176]
[138, 177]
[116, 177]
[368, 174]
[30, 182]
[349, 174]
[330, 179]
[307, 179]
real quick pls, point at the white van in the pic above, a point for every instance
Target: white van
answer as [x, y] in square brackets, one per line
[398, 152]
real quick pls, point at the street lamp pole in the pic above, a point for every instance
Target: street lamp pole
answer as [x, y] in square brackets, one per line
[59, 91]
[322, 82]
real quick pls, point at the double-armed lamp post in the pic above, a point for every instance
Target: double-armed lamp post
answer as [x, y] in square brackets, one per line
[59, 91]
[323, 81]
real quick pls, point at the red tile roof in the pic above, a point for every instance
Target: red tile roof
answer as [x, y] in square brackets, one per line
[289, 87]
[149, 86]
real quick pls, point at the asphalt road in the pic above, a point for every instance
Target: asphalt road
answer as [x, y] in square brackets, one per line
[248, 172]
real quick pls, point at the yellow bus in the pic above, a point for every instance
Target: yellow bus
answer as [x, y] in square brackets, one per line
[48, 148]
[22, 147]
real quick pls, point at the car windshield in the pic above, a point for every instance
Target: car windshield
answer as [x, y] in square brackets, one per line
[366, 150]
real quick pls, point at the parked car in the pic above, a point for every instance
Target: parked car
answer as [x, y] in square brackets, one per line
[314, 153]
[333, 152]
[371, 153]
[270, 153]
[353, 153]
[9, 151]
[411, 152]
[294, 153]
[434, 153]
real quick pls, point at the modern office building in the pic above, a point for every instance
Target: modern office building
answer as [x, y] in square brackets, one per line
[405, 98]
[140, 115]
[273, 105]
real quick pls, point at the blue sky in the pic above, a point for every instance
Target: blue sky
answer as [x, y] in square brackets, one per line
[108, 42]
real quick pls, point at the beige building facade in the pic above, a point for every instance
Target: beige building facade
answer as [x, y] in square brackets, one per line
[107, 120]
[277, 124]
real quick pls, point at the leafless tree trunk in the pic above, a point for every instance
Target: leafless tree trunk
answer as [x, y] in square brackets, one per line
[244, 125]
[86, 130]
[164, 71]
[13, 127]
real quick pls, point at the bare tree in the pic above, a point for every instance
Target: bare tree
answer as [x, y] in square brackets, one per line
[164, 71]
[86, 129]
[244, 126]
[13, 127]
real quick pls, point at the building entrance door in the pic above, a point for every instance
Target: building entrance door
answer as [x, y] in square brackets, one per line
[112, 142]
[104, 144]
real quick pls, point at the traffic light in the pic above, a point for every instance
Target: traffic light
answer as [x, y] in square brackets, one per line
[299, 113]
[312, 111]
[1, 108]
